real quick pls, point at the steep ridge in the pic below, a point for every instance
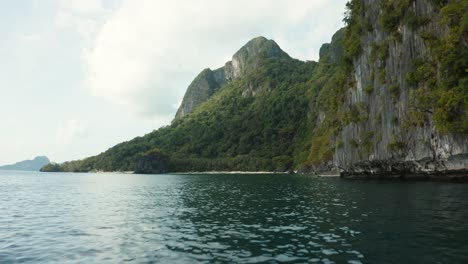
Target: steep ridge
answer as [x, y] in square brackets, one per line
[245, 60]
[200, 90]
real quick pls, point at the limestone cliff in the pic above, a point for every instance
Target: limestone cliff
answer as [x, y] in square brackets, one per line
[381, 134]
[202, 88]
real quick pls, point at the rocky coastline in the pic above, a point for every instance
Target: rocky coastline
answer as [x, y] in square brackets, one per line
[452, 169]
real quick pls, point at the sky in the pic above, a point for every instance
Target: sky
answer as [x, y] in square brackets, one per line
[79, 76]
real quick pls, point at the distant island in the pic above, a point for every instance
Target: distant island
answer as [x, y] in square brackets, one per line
[28, 165]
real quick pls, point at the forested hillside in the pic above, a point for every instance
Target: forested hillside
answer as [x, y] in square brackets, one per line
[389, 94]
[258, 120]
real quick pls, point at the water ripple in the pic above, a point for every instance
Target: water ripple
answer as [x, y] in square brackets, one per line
[108, 218]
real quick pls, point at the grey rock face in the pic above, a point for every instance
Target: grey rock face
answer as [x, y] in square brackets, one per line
[248, 58]
[419, 149]
[202, 88]
[333, 51]
[409, 169]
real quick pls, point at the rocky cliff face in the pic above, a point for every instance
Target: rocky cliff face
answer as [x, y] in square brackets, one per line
[333, 51]
[381, 137]
[200, 90]
[245, 60]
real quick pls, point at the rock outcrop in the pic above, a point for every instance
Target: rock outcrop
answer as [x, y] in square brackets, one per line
[200, 90]
[152, 162]
[243, 61]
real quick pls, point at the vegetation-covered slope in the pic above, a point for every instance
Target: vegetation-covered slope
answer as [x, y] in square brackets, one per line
[390, 88]
[257, 121]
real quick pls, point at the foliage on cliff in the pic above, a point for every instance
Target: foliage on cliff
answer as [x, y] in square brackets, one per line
[437, 82]
[441, 79]
[284, 114]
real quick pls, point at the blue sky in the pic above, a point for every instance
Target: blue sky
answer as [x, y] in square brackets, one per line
[78, 76]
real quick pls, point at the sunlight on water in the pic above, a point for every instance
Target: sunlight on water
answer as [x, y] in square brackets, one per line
[83, 218]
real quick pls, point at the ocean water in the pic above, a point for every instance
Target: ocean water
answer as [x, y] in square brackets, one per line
[120, 218]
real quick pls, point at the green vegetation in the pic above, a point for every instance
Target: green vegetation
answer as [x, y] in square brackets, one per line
[327, 96]
[295, 118]
[382, 75]
[52, 167]
[353, 143]
[395, 146]
[357, 113]
[379, 52]
[392, 13]
[369, 89]
[355, 27]
[367, 143]
[321, 150]
[394, 91]
[228, 132]
[414, 21]
[441, 80]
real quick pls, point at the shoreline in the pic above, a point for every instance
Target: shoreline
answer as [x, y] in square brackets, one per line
[440, 176]
[227, 172]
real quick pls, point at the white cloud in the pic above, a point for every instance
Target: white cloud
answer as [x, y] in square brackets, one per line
[70, 131]
[141, 54]
[85, 16]
[83, 6]
[147, 51]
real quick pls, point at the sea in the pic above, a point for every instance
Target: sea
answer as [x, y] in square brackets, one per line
[228, 218]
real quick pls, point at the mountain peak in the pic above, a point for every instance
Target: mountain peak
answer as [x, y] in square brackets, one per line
[260, 46]
[259, 43]
[245, 60]
[41, 159]
[250, 56]
[333, 51]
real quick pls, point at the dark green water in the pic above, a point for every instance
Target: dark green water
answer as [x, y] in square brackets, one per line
[113, 218]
